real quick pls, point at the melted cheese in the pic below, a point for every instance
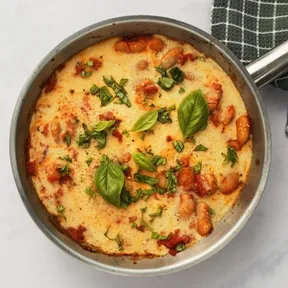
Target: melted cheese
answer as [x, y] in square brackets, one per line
[95, 214]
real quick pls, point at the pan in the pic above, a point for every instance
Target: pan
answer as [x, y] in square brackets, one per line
[247, 80]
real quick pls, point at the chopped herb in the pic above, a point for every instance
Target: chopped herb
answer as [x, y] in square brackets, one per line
[152, 105]
[171, 181]
[177, 167]
[123, 82]
[191, 139]
[119, 90]
[177, 74]
[126, 133]
[105, 96]
[124, 167]
[180, 247]
[158, 160]
[145, 179]
[200, 147]
[89, 191]
[143, 210]
[231, 156]
[67, 139]
[155, 235]
[100, 136]
[181, 90]
[89, 161]
[178, 145]
[133, 225]
[94, 89]
[197, 168]
[66, 158]
[60, 210]
[164, 114]
[149, 151]
[166, 83]
[116, 239]
[89, 63]
[162, 71]
[85, 74]
[202, 58]
[65, 170]
[147, 132]
[211, 211]
[156, 214]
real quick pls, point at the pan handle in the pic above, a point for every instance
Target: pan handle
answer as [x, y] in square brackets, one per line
[269, 66]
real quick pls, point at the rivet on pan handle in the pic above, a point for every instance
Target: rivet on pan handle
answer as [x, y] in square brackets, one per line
[270, 65]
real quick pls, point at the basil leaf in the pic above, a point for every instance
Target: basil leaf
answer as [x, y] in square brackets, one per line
[231, 156]
[181, 90]
[67, 139]
[200, 147]
[177, 167]
[164, 114]
[171, 181]
[102, 125]
[197, 168]
[60, 210]
[178, 145]
[105, 96]
[100, 137]
[143, 161]
[162, 71]
[94, 89]
[158, 160]
[126, 133]
[146, 121]
[177, 74]
[145, 179]
[155, 235]
[118, 89]
[193, 113]
[166, 83]
[109, 181]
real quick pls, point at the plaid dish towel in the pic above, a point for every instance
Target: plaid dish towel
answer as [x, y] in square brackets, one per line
[250, 28]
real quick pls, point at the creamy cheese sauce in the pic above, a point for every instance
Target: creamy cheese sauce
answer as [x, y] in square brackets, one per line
[70, 100]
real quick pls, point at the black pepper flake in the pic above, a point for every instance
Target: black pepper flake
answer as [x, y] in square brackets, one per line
[71, 91]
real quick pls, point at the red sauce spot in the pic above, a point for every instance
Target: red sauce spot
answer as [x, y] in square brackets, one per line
[79, 68]
[51, 83]
[140, 228]
[173, 241]
[169, 138]
[64, 179]
[61, 67]
[128, 173]
[96, 63]
[132, 219]
[116, 133]
[45, 129]
[118, 221]
[31, 168]
[150, 90]
[185, 57]
[257, 162]
[107, 116]
[76, 234]
[74, 153]
[217, 87]
[58, 195]
[185, 160]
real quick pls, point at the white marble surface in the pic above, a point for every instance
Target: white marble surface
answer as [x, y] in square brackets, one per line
[257, 257]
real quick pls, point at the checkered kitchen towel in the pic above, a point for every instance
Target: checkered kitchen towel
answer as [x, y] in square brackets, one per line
[250, 28]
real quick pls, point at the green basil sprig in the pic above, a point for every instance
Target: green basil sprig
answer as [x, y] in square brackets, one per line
[109, 181]
[145, 179]
[143, 161]
[146, 121]
[231, 156]
[193, 113]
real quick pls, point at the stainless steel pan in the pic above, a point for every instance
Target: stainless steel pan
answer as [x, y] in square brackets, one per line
[246, 80]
